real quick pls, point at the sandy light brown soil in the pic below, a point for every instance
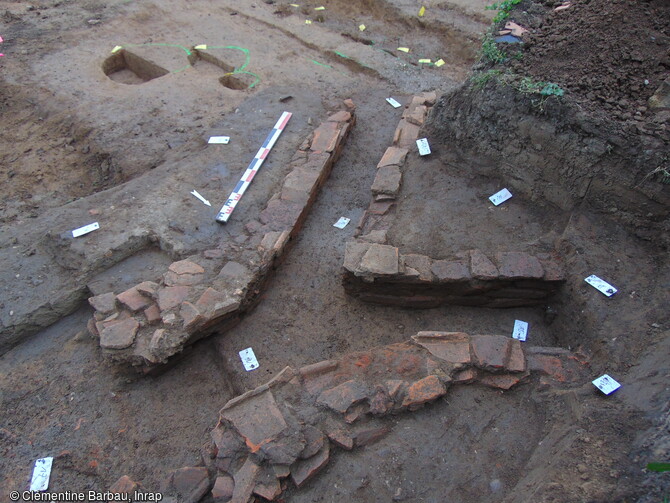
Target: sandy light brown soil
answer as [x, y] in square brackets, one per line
[79, 146]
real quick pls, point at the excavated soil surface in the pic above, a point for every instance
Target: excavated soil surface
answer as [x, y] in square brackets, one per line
[86, 138]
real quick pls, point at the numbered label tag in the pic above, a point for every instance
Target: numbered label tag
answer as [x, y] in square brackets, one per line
[393, 103]
[342, 222]
[41, 474]
[601, 285]
[219, 139]
[85, 229]
[520, 330]
[424, 148]
[248, 359]
[606, 384]
[500, 197]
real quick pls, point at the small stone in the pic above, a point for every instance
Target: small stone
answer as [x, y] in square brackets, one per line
[341, 116]
[245, 481]
[481, 267]
[387, 181]
[341, 397]
[453, 347]
[369, 436]
[393, 156]
[190, 483]
[380, 403]
[172, 296]
[191, 316]
[353, 254]
[235, 272]
[133, 299]
[448, 272]
[104, 304]
[501, 381]
[302, 471]
[421, 264]
[465, 376]
[256, 418]
[489, 352]
[185, 267]
[152, 314]
[341, 439]
[215, 304]
[268, 490]
[125, 485]
[379, 260]
[212, 254]
[223, 489]
[325, 137]
[314, 439]
[349, 104]
[147, 288]
[377, 236]
[119, 335]
[519, 265]
[424, 390]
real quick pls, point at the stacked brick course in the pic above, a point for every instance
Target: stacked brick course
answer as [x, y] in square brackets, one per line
[150, 322]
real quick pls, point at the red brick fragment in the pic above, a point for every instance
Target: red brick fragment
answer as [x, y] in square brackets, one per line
[369, 436]
[304, 470]
[424, 390]
[133, 299]
[153, 314]
[519, 265]
[172, 296]
[185, 267]
[223, 489]
[125, 485]
[342, 439]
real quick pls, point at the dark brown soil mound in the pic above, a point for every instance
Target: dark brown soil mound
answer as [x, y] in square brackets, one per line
[606, 53]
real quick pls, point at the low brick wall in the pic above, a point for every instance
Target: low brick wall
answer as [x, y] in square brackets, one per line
[151, 322]
[284, 431]
[379, 273]
[375, 271]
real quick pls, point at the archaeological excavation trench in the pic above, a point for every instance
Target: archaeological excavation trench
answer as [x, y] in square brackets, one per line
[387, 370]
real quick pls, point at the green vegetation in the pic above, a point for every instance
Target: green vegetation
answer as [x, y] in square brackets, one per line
[491, 51]
[503, 9]
[527, 85]
[481, 78]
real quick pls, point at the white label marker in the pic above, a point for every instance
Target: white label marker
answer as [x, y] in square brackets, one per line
[393, 103]
[219, 139]
[422, 144]
[342, 222]
[606, 384]
[520, 330]
[41, 474]
[601, 285]
[248, 359]
[85, 229]
[197, 194]
[500, 197]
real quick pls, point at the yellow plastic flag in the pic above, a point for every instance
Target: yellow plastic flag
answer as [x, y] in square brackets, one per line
[361, 27]
[201, 46]
[427, 61]
[439, 62]
[117, 49]
[403, 49]
[422, 11]
[307, 21]
[320, 8]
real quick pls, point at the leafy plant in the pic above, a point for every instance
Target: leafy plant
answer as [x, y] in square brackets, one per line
[503, 8]
[491, 51]
[481, 78]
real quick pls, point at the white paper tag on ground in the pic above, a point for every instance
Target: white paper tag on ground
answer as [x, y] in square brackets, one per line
[606, 384]
[424, 148]
[393, 103]
[248, 359]
[520, 330]
[500, 197]
[85, 229]
[41, 474]
[601, 285]
[342, 222]
[219, 139]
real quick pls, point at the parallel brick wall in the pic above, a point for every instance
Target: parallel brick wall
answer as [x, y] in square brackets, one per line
[151, 322]
[379, 273]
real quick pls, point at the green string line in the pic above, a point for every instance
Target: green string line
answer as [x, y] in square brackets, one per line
[320, 64]
[245, 51]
